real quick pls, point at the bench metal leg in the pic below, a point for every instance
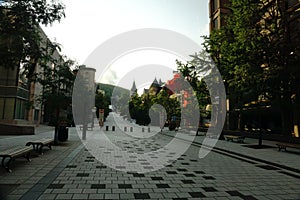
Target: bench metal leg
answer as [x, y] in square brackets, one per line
[27, 156]
[49, 146]
[2, 163]
[7, 165]
[241, 141]
[34, 146]
[281, 147]
[40, 149]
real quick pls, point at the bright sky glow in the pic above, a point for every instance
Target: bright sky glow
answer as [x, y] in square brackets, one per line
[146, 58]
[88, 24]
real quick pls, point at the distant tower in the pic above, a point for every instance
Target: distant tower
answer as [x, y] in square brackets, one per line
[154, 88]
[133, 89]
[160, 83]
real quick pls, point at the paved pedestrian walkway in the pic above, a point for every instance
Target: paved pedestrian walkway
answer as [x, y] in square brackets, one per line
[72, 170]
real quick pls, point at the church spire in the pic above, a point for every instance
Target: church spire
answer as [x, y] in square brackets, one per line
[133, 89]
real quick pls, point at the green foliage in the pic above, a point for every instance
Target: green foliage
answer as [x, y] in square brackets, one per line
[256, 55]
[57, 86]
[104, 95]
[21, 38]
[171, 105]
[139, 106]
[102, 101]
[252, 49]
[194, 71]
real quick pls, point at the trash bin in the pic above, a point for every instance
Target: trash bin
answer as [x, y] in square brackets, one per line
[62, 133]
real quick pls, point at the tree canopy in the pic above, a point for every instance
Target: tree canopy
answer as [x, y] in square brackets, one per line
[21, 38]
[255, 53]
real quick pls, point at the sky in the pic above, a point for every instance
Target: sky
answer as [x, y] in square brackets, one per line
[88, 25]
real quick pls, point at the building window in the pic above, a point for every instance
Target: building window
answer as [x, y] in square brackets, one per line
[36, 115]
[20, 109]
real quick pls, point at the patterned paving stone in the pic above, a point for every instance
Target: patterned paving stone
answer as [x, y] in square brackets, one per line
[124, 186]
[188, 181]
[182, 170]
[197, 194]
[208, 178]
[82, 174]
[209, 189]
[141, 196]
[56, 186]
[157, 178]
[217, 176]
[171, 172]
[162, 186]
[71, 166]
[189, 175]
[199, 172]
[138, 175]
[98, 186]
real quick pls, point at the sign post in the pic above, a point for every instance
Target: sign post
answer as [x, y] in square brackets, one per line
[101, 117]
[162, 120]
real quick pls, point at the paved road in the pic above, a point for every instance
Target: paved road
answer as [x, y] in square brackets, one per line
[72, 170]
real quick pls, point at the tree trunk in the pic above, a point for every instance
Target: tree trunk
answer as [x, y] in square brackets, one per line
[260, 137]
[286, 121]
[56, 127]
[296, 115]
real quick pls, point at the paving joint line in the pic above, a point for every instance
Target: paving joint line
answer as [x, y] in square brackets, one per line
[246, 158]
[38, 189]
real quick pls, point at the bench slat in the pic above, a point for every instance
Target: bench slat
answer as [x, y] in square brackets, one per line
[40, 143]
[13, 152]
[284, 145]
[234, 137]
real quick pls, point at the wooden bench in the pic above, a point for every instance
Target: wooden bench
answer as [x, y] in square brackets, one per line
[40, 143]
[236, 138]
[14, 152]
[285, 145]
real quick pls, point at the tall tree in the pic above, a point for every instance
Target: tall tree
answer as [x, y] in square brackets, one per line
[57, 83]
[21, 39]
[194, 71]
[255, 55]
